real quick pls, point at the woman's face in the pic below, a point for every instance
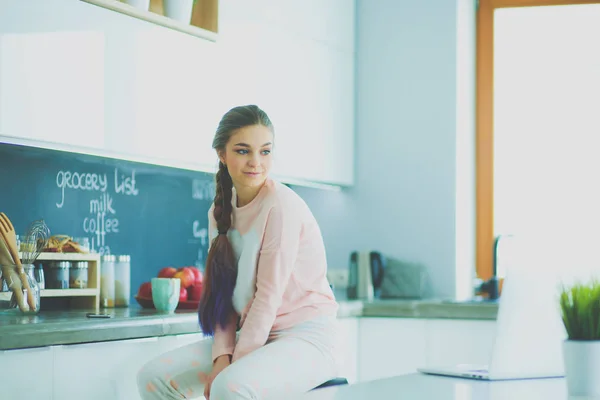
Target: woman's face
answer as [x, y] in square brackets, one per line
[248, 157]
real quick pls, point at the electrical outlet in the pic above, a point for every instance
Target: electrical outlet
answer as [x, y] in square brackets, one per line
[338, 277]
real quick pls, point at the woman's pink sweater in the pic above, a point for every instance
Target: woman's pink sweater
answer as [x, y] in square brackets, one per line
[282, 269]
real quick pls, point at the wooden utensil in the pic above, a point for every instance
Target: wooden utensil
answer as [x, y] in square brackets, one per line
[7, 230]
[10, 276]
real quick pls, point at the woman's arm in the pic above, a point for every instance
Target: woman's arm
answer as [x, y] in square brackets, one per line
[275, 264]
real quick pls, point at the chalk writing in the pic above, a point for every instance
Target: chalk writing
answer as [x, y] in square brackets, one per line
[199, 263]
[199, 232]
[202, 234]
[102, 220]
[203, 190]
[126, 185]
[81, 181]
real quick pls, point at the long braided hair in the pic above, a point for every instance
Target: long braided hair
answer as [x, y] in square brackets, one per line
[216, 302]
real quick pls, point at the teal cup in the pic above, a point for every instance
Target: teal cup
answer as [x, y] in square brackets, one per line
[165, 293]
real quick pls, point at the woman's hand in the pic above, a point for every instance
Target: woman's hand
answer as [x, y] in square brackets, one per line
[219, 365]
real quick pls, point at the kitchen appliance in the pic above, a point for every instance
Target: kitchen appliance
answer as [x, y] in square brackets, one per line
[365, 274]
[404, 280]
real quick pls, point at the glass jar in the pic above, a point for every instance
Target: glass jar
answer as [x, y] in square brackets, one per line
[26, 244]
[39, 275]
[107, 281]
[122, 281]
[57, 274]
[18, 299]
[78, 275]
[84, 243]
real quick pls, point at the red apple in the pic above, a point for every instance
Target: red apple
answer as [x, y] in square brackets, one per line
[145, 290]
[183, 294]
[167, 272]
[198, 277]
[186, 276]
[195, 291]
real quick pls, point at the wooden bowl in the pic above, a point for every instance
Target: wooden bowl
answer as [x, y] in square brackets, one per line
[188, 305]
[146, 302]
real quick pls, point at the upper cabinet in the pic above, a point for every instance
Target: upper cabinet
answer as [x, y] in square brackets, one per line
[100, 79]
[307, 90]
[198, 18]
[331, 22]
[295, 59]
[172, 110]
[52, 81]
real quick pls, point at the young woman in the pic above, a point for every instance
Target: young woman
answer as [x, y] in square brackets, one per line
[265, 275]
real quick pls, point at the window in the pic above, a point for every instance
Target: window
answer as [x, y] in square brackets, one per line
[538, 129]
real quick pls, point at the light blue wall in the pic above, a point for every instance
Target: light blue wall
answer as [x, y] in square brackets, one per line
[404, 201]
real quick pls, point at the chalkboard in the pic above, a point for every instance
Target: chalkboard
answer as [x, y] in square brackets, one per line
[156, 214]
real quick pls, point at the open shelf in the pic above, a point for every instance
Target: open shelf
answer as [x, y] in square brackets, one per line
[203, 24]
[69, 292]
[66, 257]
[59, 293]
[79, 298]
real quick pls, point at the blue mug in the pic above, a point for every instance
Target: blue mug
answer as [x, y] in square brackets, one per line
[165, 293]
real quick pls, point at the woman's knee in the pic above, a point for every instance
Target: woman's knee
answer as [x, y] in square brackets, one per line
[149, 381]
[146, 382]
[228, 386]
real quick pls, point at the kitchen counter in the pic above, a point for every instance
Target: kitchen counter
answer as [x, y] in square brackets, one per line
[70, 327]
[447, 309]
[428, 387]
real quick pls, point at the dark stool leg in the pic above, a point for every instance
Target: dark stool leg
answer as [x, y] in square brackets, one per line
[332, 382]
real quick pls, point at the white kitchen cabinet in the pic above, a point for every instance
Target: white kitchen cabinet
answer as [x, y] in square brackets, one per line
[347, 348]
[92, 80]
[297, 66]
[390, 346]
[452, 341]
[102, 370]
[51, 76]
[173, 107]
[108, 370]
[331, 22]
[301, 75]
[307, 88]
[25, 374]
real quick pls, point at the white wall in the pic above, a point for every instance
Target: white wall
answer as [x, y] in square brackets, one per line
[413, 197]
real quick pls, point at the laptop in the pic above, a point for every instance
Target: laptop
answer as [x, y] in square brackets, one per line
[529, 329]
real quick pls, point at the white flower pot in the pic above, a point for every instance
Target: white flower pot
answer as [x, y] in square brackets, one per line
[180, 10]
[141, 4]
[582, 367]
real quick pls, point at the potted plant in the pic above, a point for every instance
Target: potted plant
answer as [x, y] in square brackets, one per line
[580, 309]
[180, 10]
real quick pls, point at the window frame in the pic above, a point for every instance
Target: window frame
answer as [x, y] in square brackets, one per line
[484, 124]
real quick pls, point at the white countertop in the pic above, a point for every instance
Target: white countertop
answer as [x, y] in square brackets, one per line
[428, 387]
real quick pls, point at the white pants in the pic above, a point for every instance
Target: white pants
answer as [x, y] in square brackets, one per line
[293, 361]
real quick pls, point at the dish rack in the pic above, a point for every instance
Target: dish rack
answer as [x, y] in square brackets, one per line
[79, 298]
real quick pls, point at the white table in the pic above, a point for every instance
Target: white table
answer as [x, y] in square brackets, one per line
[428, 387]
